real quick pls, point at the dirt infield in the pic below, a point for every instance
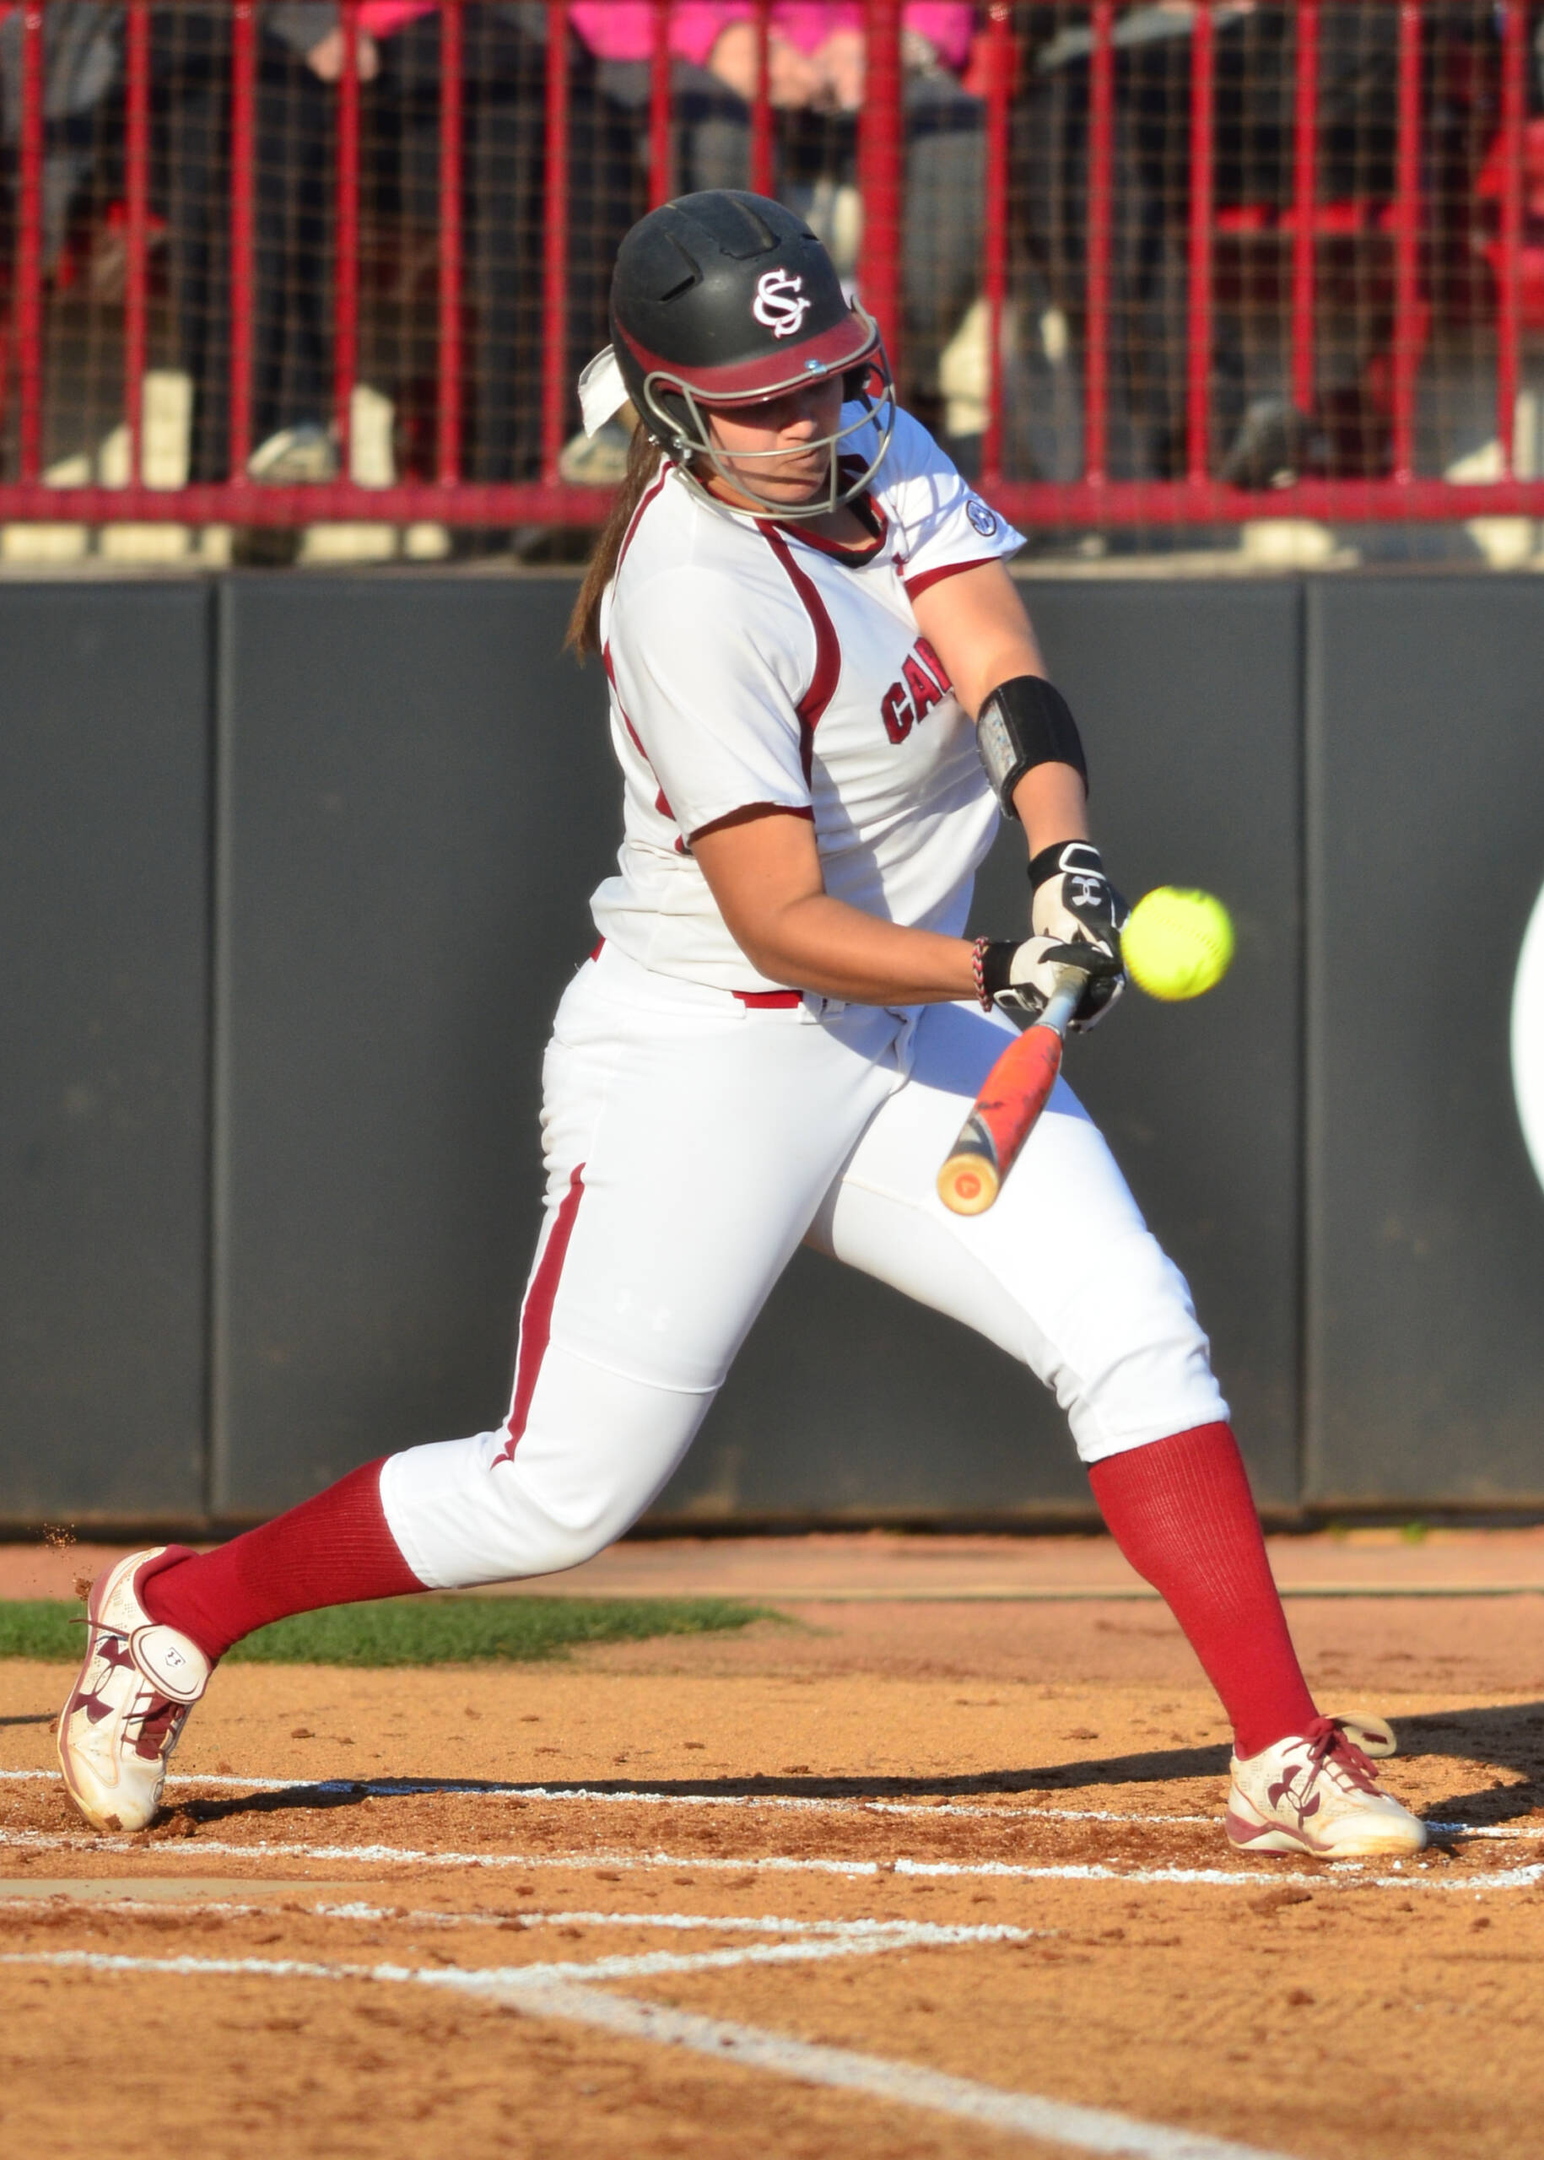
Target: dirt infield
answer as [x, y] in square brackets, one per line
[915, 1877]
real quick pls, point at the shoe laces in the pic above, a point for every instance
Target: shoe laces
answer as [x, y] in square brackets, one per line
[1329, 1744]
[158, 1727]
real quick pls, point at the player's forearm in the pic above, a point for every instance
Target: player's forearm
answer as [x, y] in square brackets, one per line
[821, 944]
[1052, 804]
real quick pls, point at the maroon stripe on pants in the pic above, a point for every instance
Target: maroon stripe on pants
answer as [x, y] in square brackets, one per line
[536, 1320]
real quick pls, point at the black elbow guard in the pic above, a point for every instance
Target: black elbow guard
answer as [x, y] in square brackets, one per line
[1026, 722]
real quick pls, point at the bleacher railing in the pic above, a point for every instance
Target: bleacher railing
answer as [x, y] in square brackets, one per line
[1094, 404]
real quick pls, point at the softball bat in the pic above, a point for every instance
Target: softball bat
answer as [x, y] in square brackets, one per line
[1003, 1115]
[1178, 944]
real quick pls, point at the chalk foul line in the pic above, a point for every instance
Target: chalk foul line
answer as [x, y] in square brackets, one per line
[614, 1796]
[549, 1992]
[1348, 1872]
[929, 1811]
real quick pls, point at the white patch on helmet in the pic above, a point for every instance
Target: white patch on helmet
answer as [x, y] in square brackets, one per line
[779, 305]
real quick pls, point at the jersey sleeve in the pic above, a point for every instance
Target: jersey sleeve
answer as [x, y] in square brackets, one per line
[942, 525]
[704, 696]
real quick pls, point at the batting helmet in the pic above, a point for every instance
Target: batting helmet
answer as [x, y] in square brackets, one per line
[723, 299]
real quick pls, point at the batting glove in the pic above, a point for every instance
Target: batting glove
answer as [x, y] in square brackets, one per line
[1020, 978]
[1074, 903]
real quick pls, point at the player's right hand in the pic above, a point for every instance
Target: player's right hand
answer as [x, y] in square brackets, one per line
[1020, 978]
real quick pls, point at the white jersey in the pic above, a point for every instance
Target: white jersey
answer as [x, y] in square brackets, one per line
[751, 663]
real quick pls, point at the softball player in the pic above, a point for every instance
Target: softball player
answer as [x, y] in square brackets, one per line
[824, 692]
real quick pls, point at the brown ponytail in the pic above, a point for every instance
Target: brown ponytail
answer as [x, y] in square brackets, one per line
[643, 460]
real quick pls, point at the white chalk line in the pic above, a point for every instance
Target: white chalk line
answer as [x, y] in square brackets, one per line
[417, 1917]
[932, 1811]
[451, 1788]
[660, 1964]
[551, 1991]
[810, 1940]
[1347, 1872]
[675, 1923]
[1092, 2130]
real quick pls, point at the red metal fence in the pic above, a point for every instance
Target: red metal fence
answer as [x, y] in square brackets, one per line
[1224, 259]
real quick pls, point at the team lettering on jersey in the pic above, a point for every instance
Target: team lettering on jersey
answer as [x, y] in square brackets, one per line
[924, 683]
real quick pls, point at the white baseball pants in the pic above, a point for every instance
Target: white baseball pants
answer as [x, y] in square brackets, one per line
[692, 1143]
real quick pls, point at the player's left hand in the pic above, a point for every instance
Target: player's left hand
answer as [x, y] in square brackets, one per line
[1021, 978]
[1074, 903]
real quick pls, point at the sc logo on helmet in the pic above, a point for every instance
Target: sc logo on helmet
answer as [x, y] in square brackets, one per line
[779, 305]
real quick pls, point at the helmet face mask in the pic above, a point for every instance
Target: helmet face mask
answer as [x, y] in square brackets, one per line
[682, 423]
[723, 300]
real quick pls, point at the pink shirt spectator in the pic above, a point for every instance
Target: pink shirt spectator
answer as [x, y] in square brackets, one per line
[626, 31]
[382, 17]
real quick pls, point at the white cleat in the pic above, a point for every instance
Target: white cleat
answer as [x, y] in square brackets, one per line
[1315, 1792]
[131, 1698]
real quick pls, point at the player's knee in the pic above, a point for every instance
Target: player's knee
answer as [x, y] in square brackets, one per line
[1143, 1367]
[549, 1524]
[568, 1545]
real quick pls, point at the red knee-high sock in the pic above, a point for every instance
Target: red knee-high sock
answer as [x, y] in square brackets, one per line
[1182, 1513]
[333, 1550]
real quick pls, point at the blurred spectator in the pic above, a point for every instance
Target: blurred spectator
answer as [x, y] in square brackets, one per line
[815, 61]
[501, 169]
[299, 57]
[502, 174]
[815, 80]
[1258, 435]
[80, 68]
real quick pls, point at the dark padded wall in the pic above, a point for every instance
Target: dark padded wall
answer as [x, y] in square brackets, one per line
[1426, 1223]
[104, 852]
[1191, 700]
[417, 800]
[845, 1395]
[415, 797]
[409, 853]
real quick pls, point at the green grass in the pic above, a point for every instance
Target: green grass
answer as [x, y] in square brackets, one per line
[414, 1631]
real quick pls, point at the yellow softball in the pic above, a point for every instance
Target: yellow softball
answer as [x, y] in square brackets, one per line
[1177, 944]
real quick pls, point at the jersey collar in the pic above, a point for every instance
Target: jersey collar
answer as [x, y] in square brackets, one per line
[869, 513]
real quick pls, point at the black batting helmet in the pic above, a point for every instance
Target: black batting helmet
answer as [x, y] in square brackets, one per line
[725, 298]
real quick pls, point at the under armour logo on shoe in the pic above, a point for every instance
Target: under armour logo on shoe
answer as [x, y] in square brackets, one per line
[779, 305]
[1304, 1808]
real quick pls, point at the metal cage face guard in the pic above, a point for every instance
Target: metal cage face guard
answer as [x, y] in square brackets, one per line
[684, 448]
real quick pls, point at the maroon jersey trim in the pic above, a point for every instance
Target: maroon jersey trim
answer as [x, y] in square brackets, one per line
[925, 578]
[828, 651]
[866, 507]
[661, 801]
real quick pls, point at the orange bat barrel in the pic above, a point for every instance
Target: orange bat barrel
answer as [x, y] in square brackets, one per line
[1003, 1115]
[1001, 1121]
